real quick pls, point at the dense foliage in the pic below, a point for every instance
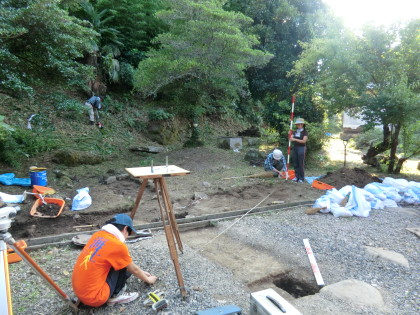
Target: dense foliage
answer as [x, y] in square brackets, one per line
[205, 58]
[199, 67]
[40, 42]
[376, 75]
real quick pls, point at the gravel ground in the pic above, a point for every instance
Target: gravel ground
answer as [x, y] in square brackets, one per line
[338, 245]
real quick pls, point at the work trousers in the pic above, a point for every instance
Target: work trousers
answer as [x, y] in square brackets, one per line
[116, 280]
[298, 155]
[92, 111]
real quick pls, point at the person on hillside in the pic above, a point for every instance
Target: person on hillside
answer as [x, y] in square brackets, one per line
[299, 138]
[93, 106]
[104, 265]
[276, 163]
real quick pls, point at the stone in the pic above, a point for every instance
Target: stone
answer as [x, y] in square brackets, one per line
[252, 154]
[227, 143]
[149, 149]
[110, 180]
[388, 255]
[123, 176]
[414, 230]
[200, 195]
[206, 184]
[355, 291]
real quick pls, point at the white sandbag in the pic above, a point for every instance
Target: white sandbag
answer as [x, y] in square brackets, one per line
[322, 202]
[389, 203]
[377, 204]
[82, 200]
[358, 204]
[399, 183]
[345, 190]
[376, 191]
[338, 211]
[335, 196]
[410, 197]
[415, 187]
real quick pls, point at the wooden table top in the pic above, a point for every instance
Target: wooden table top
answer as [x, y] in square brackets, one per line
[158, 171]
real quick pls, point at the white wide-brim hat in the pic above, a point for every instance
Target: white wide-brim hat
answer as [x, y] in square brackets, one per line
[300, 121]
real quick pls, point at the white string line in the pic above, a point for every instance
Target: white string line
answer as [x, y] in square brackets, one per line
[236, 221]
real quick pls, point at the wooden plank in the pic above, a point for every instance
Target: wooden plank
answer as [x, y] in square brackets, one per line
[156, 171]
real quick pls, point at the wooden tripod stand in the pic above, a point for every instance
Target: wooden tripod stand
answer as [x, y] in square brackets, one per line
[158, 174]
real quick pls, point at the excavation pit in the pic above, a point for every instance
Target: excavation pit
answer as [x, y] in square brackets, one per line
[295, 287]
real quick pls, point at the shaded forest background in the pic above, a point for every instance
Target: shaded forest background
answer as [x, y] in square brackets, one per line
[169, 69]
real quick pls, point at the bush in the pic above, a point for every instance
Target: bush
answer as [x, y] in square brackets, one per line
[158, 114]
[65, 107]
[23, 143]
[365, 139]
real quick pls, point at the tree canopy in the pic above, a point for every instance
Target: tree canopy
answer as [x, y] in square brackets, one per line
[200, 64]
[40, 41]
[375, 74]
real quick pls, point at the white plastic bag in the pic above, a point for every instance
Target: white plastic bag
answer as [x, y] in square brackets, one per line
[322, 202]
[389, 203]
[338, 211]
[400, 183]
[357, 203]
[82, 200]
[376, 191]
[335, 196]
[12, 198]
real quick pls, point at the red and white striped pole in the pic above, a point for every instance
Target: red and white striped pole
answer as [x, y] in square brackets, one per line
[292, 113]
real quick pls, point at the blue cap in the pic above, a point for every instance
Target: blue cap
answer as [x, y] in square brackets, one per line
[123, 219]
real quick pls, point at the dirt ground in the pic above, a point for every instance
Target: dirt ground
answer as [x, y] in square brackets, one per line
[217, 183]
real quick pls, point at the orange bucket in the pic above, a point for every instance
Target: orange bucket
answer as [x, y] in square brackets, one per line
[13, 257]
[42, 190]
[34, 210]
[291, 174]
[320, 185]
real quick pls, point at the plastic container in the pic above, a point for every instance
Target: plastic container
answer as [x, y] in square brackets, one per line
[38, 176]
[291, 174]
[42, 190]
[34, 210]
[13, 257]
[320, 185]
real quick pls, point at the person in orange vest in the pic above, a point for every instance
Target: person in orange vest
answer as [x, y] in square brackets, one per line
[104, 265]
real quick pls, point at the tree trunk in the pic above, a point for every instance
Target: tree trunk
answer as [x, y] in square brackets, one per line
[394, 145]
[399, 165]
[369, 157]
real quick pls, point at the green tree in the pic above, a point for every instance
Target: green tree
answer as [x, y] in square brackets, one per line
[200, 65]
[40, 42]
[376, 75]
[280, 25]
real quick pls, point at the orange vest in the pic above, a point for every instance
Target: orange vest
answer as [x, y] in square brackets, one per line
[103, 251]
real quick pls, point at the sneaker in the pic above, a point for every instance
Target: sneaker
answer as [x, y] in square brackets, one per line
[123, 298]
[300, 181]
[295, 179]
[91, 122]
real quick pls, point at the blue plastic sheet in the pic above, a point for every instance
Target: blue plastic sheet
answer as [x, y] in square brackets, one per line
[9, 179]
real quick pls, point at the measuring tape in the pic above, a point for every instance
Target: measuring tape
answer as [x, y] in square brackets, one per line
[314, 265]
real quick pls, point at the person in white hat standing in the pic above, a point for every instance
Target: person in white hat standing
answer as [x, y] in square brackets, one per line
[276, 163]
[299, 138]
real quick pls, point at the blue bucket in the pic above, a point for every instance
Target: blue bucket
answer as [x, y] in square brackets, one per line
[38, 177]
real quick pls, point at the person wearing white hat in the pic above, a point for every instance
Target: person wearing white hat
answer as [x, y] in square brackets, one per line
[276, 163]
[299, 138]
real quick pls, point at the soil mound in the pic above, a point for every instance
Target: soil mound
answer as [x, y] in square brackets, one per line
[346, 176]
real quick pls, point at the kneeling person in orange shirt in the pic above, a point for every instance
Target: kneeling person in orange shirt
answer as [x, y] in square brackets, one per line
[105, 264]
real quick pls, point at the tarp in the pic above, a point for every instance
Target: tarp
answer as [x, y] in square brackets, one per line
[9, 179]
